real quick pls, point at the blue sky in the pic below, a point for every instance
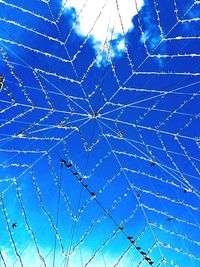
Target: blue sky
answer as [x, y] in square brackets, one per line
[114, 91]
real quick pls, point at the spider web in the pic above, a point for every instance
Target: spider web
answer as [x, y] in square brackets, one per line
[99, 164]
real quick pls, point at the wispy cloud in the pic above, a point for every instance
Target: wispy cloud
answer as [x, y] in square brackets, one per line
[30, 258]
[104, 21]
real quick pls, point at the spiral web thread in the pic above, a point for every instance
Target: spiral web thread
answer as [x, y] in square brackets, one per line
[116, 145]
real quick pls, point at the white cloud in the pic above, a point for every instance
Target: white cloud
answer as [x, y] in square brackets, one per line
[101, 19]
